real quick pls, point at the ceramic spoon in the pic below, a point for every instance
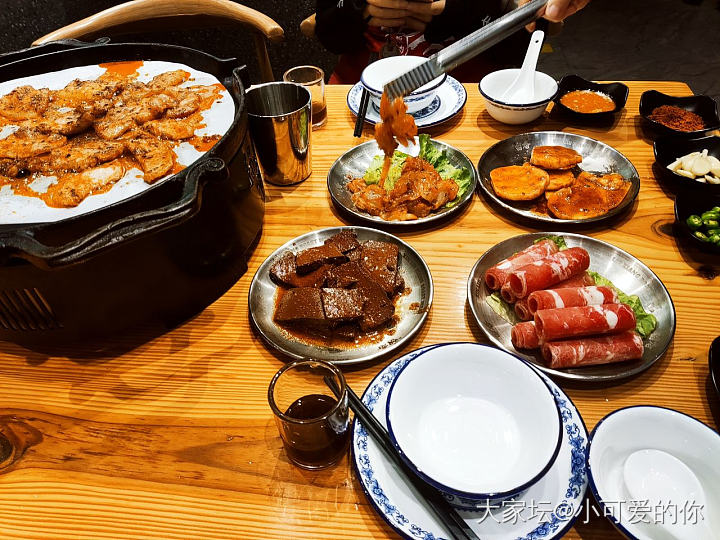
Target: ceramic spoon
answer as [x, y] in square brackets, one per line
[714, 359]
[658, 477]
[522, 89]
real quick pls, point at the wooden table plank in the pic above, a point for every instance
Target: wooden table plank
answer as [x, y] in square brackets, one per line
[174, 438]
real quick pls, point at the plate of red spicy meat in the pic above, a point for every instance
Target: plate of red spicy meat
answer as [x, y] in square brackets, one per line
[343, 294]
[577, 307]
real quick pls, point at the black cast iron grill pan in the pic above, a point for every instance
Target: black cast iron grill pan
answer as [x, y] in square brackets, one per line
[161, 255]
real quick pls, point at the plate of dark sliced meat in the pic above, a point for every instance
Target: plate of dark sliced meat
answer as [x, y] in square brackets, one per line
[343, 294]
[576, 307]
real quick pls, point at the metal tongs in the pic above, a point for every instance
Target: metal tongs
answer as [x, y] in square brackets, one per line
[464, 49]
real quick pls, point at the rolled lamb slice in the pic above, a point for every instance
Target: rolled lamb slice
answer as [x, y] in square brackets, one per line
[547, 272]
[563, 323]
[496, 276]
[524, 336]
[507, 294]
[522, 310]
[570, 297]
[302, 305]
[314, 257]
[593, 351]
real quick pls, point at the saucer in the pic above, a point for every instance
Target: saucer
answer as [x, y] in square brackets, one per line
[450, 99]
[547, 509]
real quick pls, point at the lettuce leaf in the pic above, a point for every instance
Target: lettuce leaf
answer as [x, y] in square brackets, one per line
[502, 308]
[646, 322]
[559, 241]
[372, 175]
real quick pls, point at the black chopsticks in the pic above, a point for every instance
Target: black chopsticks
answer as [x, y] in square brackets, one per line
[364, 102]
[432, 498]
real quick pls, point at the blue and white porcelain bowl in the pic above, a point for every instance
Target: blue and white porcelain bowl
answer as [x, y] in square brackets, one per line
[626, 431]
[382, 71]
[494, 85]
[473, 421]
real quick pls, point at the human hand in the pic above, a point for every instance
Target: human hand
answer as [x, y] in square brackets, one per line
[386, 12]
[413, 14]
[558, 10]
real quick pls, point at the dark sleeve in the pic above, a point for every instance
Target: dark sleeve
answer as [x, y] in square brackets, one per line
[339, 25]
[461, 17]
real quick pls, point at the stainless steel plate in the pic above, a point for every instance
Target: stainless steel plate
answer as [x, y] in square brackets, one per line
[626, 272]
[597, 158]
[261, 301]
[354, 163]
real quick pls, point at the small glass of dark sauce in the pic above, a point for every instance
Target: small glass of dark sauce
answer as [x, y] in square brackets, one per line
[313, 424]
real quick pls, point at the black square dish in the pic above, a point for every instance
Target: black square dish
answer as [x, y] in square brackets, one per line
[703, 106]
[694, 203]
[569, 83]
[668, 149]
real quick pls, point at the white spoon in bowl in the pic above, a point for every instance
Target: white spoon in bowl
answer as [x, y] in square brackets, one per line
[522, 89]
[659, 478]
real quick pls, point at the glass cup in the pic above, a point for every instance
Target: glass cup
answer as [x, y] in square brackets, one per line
[312, 78]
[313, 424]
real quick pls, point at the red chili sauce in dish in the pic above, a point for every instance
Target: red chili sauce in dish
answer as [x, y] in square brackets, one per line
[588, 101]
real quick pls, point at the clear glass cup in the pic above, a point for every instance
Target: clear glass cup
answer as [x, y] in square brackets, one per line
[312, 78]
[314, 426]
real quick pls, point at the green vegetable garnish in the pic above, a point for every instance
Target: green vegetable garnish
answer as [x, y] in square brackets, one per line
[559, 241]
[694, 222]
[502, 308]
[430, 153]
[646, 322]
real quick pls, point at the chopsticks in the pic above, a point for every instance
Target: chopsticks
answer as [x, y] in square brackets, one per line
[364, 101]
[432, 498]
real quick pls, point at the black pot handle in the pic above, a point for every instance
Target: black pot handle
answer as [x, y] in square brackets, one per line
[24, 245]
[47, 48]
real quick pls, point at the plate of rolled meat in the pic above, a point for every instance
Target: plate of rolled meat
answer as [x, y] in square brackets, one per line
[577, 307]
[342, 294]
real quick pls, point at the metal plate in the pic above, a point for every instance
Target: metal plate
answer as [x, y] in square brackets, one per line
[597, 158]
[261, 301]
[626, 272]
[354, 163]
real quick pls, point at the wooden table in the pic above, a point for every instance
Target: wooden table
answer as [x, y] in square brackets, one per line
[175, 439]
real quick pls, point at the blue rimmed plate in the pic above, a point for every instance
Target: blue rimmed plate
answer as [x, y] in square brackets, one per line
[450, 99]
[546, 510]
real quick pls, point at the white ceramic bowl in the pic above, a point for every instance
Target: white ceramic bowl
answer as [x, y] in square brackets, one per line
[494, 85]
[473, 421]
[627, 430]
[382, 71]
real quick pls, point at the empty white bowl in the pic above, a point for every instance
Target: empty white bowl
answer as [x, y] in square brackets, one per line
[494, 85]
[382, 71]
[473, 421]
[625, 431]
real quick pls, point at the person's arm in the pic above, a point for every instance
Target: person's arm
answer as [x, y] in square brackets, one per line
[340, 25]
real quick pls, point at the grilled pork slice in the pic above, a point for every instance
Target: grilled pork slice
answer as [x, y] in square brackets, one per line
[78, 154]
[62, 120]
[75, 187]
[25, 143]
[155, 157]
[187, 104]
[83, 94]
[24, 103]
[12, 167]
[174, 129]
[169, 78]
[124, 116]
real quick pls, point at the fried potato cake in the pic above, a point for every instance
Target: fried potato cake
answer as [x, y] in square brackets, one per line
[519, 182]
[589, 196]
[554, 157]
[559, 179]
